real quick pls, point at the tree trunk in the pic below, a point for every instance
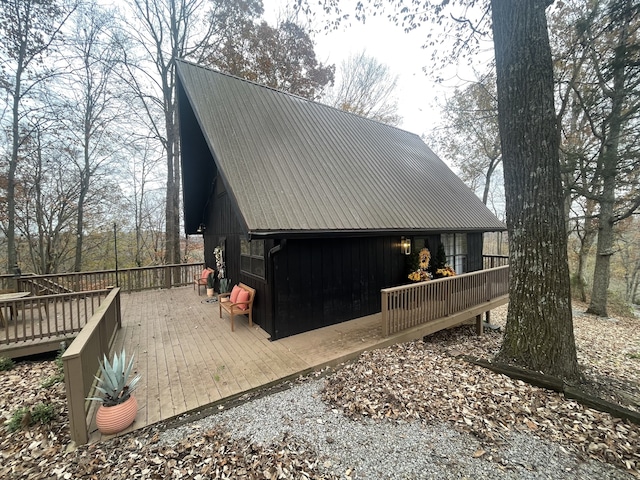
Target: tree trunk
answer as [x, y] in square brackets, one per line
[172, 253]
[173, 172]
[583, 254]
[487, 184]
[587, 237]
[606, 218]
[539, 331]
[12, 257]
[85, 174]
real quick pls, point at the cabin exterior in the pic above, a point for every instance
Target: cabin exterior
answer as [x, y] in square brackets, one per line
[314, 207]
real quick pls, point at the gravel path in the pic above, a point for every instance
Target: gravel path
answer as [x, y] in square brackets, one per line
[370, 449]
[408, 411]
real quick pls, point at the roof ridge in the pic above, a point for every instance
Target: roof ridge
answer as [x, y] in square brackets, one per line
[226, 74]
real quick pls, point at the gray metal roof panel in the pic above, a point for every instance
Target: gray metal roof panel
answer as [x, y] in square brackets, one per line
[297, 165]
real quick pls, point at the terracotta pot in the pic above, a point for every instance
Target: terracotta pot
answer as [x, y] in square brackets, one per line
[110, 420]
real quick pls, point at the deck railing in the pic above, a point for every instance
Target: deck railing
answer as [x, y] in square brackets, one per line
[409, 306]
[493, 261]
[81, 362]
[128, 279]
[47, 316]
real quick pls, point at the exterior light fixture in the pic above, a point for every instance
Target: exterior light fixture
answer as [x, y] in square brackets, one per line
[405, 245]
[201, 228]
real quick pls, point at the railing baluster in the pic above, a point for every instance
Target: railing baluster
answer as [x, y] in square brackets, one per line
[409, 306]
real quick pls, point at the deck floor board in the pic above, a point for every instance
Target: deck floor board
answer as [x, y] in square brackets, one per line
[190, 359]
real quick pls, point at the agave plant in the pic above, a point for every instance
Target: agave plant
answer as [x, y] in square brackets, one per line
[112, 383]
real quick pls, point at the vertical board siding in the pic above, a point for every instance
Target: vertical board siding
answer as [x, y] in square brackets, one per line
[222, 223]
[320, 282]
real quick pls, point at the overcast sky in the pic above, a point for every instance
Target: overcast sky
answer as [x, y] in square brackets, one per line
[402, 52]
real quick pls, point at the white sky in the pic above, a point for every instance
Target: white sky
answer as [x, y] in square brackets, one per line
[390, 45]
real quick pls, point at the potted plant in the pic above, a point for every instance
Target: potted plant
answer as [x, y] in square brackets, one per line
[210, 284]
[118, 406]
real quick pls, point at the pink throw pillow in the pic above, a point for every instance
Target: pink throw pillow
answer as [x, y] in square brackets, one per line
[243, 296]
[234, 293]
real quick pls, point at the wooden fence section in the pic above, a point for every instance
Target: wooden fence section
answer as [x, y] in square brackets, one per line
[410, 306]
[493, 261]
[82, 359]
[128, 279]
[28, 324]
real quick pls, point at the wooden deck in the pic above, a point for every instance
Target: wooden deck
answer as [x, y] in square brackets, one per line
[190, 359]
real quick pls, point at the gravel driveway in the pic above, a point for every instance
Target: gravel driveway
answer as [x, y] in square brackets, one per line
[371, 449]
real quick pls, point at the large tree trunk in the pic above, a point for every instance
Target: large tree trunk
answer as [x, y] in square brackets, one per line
[172, 253]
[539, 331]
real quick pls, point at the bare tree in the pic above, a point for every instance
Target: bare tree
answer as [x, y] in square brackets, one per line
[92, 104]
[166, 30]
[28, 29]
[47, 192]
[469, 135]
[600, 112]
[142, 183]
[628, 244]
[366, 87]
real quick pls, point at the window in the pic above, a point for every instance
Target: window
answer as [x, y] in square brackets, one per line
[455, 246]
[252, 257]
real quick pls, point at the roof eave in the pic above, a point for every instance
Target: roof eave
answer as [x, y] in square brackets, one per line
[301, 234]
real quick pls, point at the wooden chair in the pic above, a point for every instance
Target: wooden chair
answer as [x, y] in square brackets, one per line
[240, 306]
[201, 280]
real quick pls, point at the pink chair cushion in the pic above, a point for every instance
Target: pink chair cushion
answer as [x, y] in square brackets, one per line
[243, 296]
[234, 293]
[205, 273]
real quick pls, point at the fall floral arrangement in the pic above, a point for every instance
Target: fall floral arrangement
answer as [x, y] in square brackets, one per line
[422, 273]
[446, 271]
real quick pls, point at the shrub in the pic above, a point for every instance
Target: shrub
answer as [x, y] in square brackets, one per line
[23, 417]
[6, 364]
[52, 380]
[43, 413]
[59, 376]
[19, 418]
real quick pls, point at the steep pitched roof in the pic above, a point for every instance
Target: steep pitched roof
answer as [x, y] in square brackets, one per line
[293, 165]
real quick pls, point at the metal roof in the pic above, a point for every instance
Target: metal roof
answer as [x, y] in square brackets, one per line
[294, 165]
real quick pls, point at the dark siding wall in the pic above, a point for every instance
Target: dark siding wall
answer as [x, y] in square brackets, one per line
[224, 229]
[321, 282]
[316, 282]
[474, 251]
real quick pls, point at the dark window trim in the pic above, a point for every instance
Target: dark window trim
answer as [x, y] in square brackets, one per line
[252, 260]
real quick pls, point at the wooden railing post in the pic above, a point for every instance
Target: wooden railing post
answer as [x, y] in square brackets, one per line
[479, 325]
[385, 314]
[167, 276]
[74, 385]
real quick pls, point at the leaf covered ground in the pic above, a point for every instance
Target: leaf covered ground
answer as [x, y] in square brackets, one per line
[423, 380]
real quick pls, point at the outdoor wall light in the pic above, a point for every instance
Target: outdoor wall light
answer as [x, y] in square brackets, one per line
[201, 228]
[405, 245]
